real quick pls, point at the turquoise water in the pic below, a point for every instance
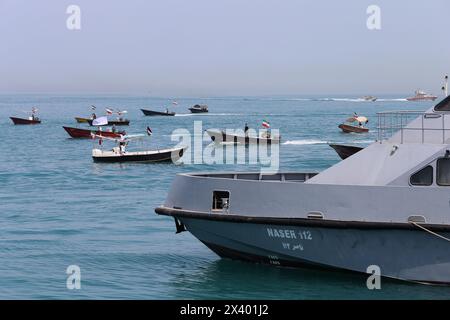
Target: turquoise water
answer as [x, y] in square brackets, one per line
[58, 208]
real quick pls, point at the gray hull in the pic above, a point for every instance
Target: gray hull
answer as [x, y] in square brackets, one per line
[404, 254]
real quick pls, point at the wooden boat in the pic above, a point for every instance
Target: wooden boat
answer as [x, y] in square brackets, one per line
[222, 136]
[116, 155]
[82, 120]
[29, 120]
[348, 128]
[157, 113]
[345, 151]
[199, 109]
[119, 122]
[86, 133]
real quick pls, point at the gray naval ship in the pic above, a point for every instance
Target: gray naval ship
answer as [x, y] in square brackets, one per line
[387, 205]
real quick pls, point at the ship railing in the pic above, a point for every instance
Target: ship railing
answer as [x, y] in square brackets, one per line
[392, 122]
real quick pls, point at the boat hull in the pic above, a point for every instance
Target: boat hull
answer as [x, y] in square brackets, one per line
[401, 252]
[345, 151]
[422, 98]
[156, 113]
[220, 136]
[163, 156]
[113, 122]
[23, 121]
[85, 133]
[348, 128]
[196, 110]
[82, 120]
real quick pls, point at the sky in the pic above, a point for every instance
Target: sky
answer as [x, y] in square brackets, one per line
[223, 47]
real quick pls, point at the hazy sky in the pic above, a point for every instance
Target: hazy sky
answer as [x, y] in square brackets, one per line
[223, 47]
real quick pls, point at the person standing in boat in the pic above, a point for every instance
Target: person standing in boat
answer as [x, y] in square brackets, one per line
[94, 116]
[113, 128]
[246, 129]
[122, 145]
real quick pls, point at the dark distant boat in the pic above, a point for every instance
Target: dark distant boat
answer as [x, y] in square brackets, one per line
[199, 109]
[345, 151]
[216, 135]
[86, 133]
[29, 120]
[119, 122]
[157, 113]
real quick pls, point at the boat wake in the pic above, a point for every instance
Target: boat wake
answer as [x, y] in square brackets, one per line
[304, 142]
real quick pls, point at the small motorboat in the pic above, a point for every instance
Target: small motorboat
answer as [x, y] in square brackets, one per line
[157, 113]
[25, 121]
[86, 133]
[199, 109]
[369, 98]
[118, 122]
[349, 125]
[421, 95]
[120, 154]
[83, 120]
[32, 119]
[222, 136]
[345, 151]
[86, 120]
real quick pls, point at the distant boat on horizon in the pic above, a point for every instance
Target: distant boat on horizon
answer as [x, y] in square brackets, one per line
[421, 95]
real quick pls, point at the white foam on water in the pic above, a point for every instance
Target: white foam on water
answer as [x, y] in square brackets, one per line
[304, 142]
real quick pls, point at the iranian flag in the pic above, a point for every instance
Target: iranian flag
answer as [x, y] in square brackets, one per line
[109, 111]
[266, 124]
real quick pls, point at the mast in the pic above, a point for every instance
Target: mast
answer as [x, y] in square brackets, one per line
[445, 87]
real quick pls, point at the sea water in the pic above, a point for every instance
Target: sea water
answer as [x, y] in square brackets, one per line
[59, 209]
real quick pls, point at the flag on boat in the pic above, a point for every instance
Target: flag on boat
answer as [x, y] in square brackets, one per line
[149, 131]
[34, 110]
[175, 103]
[109, 111]
[101, 121]
[266, 124]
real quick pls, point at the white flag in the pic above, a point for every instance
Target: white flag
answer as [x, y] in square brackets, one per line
[101, 121]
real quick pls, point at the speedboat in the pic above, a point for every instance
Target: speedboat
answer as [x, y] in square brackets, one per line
[370, 98]
[86, 133]
[385, 206]
[157, 113]
[350, 124]
[219, 136]
[199, 109]
[422, 96]
[344, 151]
[120, 154]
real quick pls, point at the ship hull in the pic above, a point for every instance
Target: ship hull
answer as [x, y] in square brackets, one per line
[401, 251]
[113, 122]
[220, 136]
[155, 156]
[195, 110]
[22, 121]
[348, 128]
[345, 151]
[84, 133]
[156, 113]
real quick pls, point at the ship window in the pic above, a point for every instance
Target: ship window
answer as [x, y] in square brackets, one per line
[443, 172]
[423, 177]
[444, 105]
[221, 200]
